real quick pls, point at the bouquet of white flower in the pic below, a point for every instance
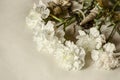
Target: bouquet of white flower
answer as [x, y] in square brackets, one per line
[70, 30]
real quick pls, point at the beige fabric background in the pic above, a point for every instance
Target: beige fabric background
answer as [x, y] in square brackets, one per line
[19, 59]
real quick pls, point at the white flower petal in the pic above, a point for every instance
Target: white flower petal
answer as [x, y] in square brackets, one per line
[109, 47]
[95, 55]
[94, 32]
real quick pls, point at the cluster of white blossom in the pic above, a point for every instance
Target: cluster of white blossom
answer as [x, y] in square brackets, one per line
[69, 55]
[91, 41]
[102, 55]
[105, 57]
[37, 14]
[43, 33]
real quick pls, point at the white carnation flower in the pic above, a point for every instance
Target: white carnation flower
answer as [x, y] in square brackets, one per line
[37, 14]
[91, 41]
[42, 9]
[32, 19]
[45, 29]
[45, 45]
[70, 56]
[104, 59]
[45, 38]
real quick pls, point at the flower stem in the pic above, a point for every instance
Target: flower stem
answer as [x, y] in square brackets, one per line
[56, 18]
[118, 2]
[63, 22]
[67, 22]
[72, 20]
